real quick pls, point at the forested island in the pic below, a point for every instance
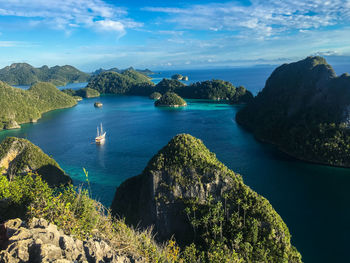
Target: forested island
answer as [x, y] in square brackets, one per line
[131, 82]
[214, 216]
[142, 71]
[20, 106]
[304, 109]
[170, 99]
[25, 74]
[82, 93]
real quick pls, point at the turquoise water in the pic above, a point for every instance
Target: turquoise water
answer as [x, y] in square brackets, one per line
[312, 199]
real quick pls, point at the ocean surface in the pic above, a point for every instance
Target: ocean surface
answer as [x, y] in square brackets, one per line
[312, 199]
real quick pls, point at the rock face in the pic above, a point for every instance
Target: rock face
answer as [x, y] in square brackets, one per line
[40, 241]
[19, 156]
[184, 181]
[304, 110]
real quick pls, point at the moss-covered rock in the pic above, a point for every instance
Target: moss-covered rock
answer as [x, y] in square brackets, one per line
[20, 156]
[187, 192]
[170, 99]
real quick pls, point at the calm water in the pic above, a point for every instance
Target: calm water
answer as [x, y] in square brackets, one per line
[313, 200]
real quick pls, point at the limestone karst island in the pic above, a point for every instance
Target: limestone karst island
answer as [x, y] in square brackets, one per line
[174, 132]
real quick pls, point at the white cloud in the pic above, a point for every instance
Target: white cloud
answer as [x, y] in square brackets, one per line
[69, 14]
[263, 18]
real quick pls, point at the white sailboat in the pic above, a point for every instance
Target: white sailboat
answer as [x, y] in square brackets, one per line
[100, 138]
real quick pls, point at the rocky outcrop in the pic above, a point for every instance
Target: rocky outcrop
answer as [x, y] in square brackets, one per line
[98, 104]
[304, 110]
[20, 156]
[179, 190]
[40, 241]
[170, 99]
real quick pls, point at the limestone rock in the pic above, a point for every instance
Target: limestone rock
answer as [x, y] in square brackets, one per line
[40, 241]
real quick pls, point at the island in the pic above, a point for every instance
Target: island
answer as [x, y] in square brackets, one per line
[304, 109]
[142, 71]
[186, 193]
[25, 74]
[170, 99]
[21, 106]
[98, 104]
[179, 77]
[155, 96]
[131, 82]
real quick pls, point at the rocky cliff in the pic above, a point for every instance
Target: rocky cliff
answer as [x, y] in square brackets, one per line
[186, 192]
[304, 110]
[20, 156]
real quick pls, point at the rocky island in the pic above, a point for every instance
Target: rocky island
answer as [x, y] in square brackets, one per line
[25, 74]
[20, 106]
[304, 111]
[187, 192]
[179, 77]
[98, 104]
[170, 99]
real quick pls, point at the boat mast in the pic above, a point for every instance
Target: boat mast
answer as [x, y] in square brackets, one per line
[97, 132]
[101, 129]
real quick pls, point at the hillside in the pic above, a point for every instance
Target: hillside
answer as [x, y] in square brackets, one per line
[187, 192]
[21, 106]
[25, 74]
[127, 82]
[20, 156]
[304, 110]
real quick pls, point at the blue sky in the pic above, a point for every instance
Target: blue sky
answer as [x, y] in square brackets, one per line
[163, 34]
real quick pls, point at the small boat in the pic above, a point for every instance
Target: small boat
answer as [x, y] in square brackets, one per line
[100, 138]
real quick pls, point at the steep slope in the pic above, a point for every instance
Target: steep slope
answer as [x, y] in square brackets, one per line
[304, 110]
[186, 192]
[25, 74]
[20, 106]
[20, 156]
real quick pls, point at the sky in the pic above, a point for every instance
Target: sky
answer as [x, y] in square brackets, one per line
[164, 34]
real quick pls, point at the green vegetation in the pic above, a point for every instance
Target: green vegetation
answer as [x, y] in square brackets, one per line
[187, 192]
[18, 156]
[129, 82]
[142, 71]
[25, 74]
[155, 96]
[82, 93]
[304, 110]
[74, 212]
[170, 99]
[213, 90]
[20, 106]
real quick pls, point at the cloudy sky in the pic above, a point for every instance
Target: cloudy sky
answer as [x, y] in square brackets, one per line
[164, 34]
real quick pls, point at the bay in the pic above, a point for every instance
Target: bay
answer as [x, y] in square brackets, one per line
[312, 199]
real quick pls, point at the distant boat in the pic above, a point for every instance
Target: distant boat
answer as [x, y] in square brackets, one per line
[100, 138]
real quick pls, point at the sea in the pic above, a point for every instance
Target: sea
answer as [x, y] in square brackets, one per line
[313, 200]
